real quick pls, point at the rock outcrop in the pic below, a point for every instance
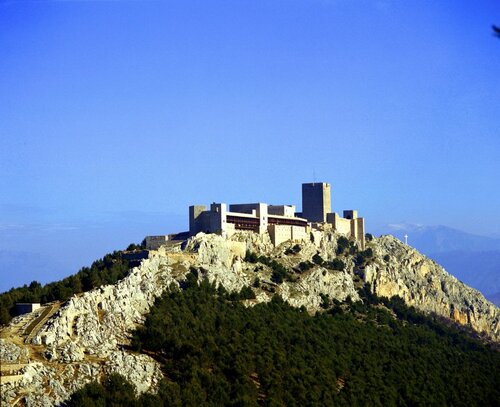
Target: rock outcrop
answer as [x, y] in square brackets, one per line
[423, 283]
[87, 337]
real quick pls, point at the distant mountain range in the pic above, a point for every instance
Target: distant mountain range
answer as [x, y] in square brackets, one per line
[473, 259]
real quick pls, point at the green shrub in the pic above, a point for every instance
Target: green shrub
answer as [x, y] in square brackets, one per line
[317, 259]
[362, 258]
[115, 391]
[304, 266]
[251, 257]
[293, 250]
[279, 273]
[342, 245]
[246, 293]
[335, 264]
[325, 301]
[133, 247]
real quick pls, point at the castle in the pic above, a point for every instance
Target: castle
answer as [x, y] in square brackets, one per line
[282, 222]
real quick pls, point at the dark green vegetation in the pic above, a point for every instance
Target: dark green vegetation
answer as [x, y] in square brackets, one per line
[108, 270]
[342, 245]
[304, 266]
[362, 258]
[279, 272]
[335, 264]
[216, 352]
[293, 250]
[114, 391]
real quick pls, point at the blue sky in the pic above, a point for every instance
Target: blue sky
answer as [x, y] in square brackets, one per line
[117, 115]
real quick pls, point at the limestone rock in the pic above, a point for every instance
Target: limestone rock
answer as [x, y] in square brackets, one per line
[10, 352]
[423, 283]
[83, 340]
[141, 370]
[307, 292]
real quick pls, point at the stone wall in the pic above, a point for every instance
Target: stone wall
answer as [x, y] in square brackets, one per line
[316, 201]
[360, 228]
[194, 213]
[299, 233]
[250, 209]
[340, 225]
[282, 210]
[24, 308]
[154, 242]
[283, 233]
[280, 233]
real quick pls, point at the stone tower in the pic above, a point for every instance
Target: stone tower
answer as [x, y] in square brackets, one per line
[316, 201]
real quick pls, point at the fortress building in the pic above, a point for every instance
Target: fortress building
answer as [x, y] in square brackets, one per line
[316, 201]
[282, 222]
[279, 220]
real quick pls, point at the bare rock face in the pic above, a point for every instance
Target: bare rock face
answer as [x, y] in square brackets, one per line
[11, 353]
[428, 287]
[84, 339]
[100, 319]
[223, 264]
[307, 292]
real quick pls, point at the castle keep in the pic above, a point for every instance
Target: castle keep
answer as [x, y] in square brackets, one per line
[316, 201]
[282, 222]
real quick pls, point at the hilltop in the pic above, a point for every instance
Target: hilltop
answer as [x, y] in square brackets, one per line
[90, 335]
[473, 259]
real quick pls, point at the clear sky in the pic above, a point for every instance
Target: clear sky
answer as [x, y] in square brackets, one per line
[117, 115]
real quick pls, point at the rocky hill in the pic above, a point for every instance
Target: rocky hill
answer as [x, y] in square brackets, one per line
[473, 259]
[48, 355]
